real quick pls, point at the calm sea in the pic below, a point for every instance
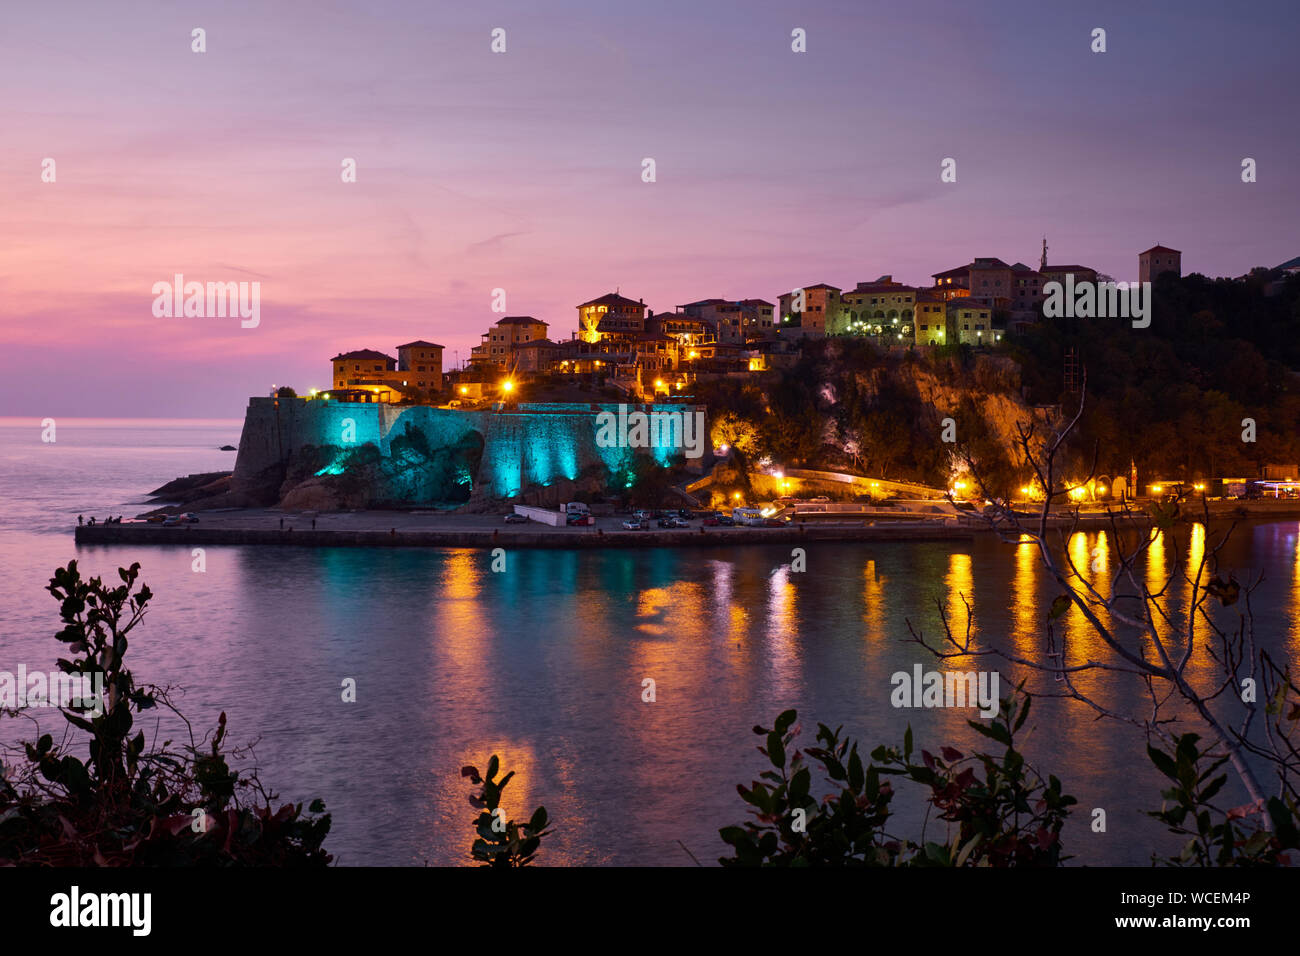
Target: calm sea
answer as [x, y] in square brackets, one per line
[544, 663]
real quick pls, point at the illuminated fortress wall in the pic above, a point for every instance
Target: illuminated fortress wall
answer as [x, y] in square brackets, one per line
[523, 447]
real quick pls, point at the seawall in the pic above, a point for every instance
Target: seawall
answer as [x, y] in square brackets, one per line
[194, 536]
[522, 446]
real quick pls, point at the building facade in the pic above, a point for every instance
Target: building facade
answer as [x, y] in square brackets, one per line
[420, 364]
[823, 308]
[884, 309]
[501, 341]
[611, 315]
[1158, 260]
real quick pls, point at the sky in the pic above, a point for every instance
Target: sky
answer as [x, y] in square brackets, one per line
[522, 170]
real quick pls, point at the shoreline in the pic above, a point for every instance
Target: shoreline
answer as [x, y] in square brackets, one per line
[426, 529]
[556, 538]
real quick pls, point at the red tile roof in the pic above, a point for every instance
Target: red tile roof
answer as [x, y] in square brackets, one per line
[614, 299]
[363, 354]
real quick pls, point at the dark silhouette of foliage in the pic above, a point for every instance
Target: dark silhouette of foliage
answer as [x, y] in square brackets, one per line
[501, 843]
[130, 802]
[1008, 816]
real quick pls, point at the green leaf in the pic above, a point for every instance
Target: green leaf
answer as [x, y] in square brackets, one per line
[1163, 763]
[966, 850]
[856, 776]
[734, 835]
[786, 721]
[775, 749]
[1024, 713]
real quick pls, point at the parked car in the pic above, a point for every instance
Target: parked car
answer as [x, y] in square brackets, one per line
[156, 519]
[191, 517]
[516, 518]
[821, 498]
[727, 521]
[635, 524]
[773, 523]
[679, 522]
[710, 521]
[171, 521]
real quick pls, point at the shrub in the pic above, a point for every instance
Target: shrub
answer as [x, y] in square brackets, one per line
[501, 843]
[1010, 816]
[131, 802]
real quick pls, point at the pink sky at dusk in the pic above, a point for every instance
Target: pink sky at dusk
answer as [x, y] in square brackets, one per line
[522, 170]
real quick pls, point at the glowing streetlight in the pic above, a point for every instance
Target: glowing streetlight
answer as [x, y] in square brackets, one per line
[507, 386]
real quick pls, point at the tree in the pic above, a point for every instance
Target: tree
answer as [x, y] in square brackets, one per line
[1252, 709]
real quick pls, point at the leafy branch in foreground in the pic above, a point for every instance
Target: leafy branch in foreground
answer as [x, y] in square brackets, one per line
[1219, 837]
[997, 810]
[501, 843]
[132, 803]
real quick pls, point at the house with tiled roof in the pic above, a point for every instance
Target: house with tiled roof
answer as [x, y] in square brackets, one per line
[822, 310]
[1158, 260]
[882, 308]
[496, 350]
[370, 375]
[610, 314]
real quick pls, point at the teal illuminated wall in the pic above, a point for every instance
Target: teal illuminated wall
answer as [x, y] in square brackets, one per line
[429, 455]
